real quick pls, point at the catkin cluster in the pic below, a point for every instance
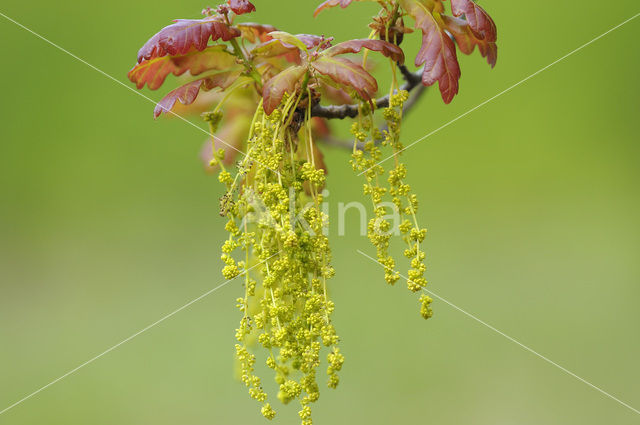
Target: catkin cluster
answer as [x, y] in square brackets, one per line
[276, 242]
[390, 194]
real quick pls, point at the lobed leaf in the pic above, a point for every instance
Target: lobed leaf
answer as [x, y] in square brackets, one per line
[467, 40]
[240, 7]
[479, 20]
[179, 38]
[347, 74]
[253, 32]
[274, 49]
[268, 67]
[288, 40]
[332, 92]
[279, 46]
[273, 91]
[312, 40]
[437, 52]
[430, 5]
[188, 93]
[354, 46]
[278, 49]
[331, 3]
[153, 72]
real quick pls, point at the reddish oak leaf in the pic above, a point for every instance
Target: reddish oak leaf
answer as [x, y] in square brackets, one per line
[188, 93]
[289, 40]
[273, 91]
[280, 48]
[286, 57]
[253, 32]
[312, 40]
[154, 71]
[430, 5]
[268, 67]
[280, 45]
[240, 7]
[271, 48]
[354, 46]
[331, 3]
[479, 20]
[301, 41]
[320, 128]
[437, 53]
[275, 49]
[347, 74]
[467, 40]
[180, 37]
[344, 73]
[333, 94]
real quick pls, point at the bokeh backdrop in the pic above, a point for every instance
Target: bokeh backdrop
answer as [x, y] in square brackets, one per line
[108, 223]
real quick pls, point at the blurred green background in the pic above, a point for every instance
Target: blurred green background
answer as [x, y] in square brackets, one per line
[107, 223]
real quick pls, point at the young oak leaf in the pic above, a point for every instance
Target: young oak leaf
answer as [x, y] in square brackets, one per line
[312, 40]
[348, 74]
[332, 92]
[332, 3]
[274, 51]
[154, 71]
[271, 48]
[240, 7]
[342, 71]
[290, 40]
[281, 42]
[437, 53]
[430, 5]
[180, 37]
[354, 46]
[253, 32]
[467, 40]
[281, 48]
[274, 89]
[479, 20]
[188, 93]
[268, 67]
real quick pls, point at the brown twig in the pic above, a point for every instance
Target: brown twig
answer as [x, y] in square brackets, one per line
[412, 80]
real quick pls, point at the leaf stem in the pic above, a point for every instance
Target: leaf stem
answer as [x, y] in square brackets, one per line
[251, 71]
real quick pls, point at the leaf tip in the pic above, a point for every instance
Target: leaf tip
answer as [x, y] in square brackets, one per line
[240, 7]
